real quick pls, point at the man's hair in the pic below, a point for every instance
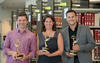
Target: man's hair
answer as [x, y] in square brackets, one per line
[22, 14]
[70, 11]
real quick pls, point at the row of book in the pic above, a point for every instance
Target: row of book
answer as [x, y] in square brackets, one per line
[87, 19]
[96, 34]
[96, 53]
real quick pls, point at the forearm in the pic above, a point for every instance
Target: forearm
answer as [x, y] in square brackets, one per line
[56, 53]
[87, 47]
[9, 52]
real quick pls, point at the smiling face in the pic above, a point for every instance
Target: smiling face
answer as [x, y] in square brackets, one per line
[22, 22]
[48, 23]
[71, 18]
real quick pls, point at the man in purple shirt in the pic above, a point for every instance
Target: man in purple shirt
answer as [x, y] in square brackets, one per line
[20, 42]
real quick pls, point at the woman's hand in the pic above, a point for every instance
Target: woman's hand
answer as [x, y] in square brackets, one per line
[47, 53]
[40, 52]
[69, 55]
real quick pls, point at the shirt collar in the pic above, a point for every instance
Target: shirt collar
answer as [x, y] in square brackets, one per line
[22, 32]
[75, 28]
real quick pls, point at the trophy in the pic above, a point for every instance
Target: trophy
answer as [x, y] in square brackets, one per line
[45, 46]
[17, 45]
[73, 52]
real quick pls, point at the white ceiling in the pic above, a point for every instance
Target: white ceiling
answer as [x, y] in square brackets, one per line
[94, 1]
[13, 4]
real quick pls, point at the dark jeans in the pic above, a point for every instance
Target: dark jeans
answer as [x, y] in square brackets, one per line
[76, 59]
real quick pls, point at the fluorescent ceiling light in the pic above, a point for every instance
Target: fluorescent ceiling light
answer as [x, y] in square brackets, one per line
[77, 5]
[94, 0]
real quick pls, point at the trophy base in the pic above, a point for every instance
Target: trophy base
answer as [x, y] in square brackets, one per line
[73, 52]
[44, 49]
[19, 56]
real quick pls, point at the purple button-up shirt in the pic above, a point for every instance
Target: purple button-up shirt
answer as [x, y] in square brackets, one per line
[27, 44]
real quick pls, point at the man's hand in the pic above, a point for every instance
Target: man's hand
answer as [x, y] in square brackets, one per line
[13, 54]
[69, 55]
[21, 58]
[76, 47]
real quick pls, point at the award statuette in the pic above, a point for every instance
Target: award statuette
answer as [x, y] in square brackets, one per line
[17, 45]
[73, 52]
[45, 45]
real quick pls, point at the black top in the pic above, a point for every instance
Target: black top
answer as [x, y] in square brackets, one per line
[51, 43]
[71, 33]
[52, 47]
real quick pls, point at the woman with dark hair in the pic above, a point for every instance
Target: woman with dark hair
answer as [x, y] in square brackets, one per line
[50, 42]
[53, 20]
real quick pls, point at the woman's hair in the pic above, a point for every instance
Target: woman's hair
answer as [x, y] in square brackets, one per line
[54, 24]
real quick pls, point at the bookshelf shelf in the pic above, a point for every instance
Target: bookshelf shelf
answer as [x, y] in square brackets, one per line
[98, 44]
[94, 27]
[58, 11]
[86, 10]
[95, 56]
[59, 27]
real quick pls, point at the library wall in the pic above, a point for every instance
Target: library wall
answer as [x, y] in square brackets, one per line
[5, 21]
[6, 27]
[96, 34]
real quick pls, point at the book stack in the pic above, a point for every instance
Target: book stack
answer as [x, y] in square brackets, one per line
[96, 33]
[87, 19]
[58, 21]
[79, 18]
[96, 52]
